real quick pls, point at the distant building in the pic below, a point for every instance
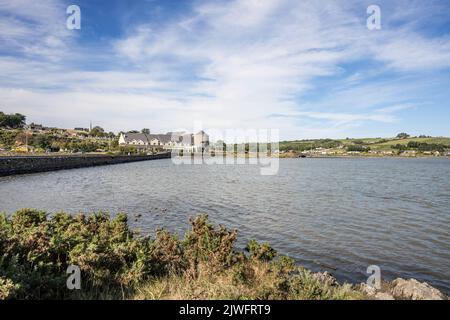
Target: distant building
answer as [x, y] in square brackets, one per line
[35, 127]
[201, 140]
[169, 141]
[81, 129]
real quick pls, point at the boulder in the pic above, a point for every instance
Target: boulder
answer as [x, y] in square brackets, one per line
[373, 293]
[367, 290]
[414, 290]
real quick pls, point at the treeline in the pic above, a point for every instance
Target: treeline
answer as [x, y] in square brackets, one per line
[421, 146]
[309, 145]
[358, 147]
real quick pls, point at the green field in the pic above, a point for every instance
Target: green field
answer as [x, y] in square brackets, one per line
[372, 143]
[387, 145]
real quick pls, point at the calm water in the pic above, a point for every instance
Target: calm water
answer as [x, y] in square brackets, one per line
[340, 215]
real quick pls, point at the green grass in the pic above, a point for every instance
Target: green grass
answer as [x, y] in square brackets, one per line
[373, 143]
[387, 145]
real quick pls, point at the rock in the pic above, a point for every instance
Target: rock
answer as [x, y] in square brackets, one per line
[326, 278]
[376, 294]
[383, 296]
[414, 290]
[368, 290]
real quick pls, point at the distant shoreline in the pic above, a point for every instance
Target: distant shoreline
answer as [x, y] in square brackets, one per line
[369, 157]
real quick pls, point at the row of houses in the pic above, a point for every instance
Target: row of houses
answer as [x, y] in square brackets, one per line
[188, 142]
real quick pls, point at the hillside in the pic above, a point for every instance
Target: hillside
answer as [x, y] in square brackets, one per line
[422, 145]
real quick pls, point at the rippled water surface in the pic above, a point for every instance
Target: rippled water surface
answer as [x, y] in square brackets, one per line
[340, 215]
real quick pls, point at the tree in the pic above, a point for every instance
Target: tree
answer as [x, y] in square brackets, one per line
[403, 135]
[145, 131]
[13, 121]
[357, 147]
[97, 132]
[399, 146]
[114, 144]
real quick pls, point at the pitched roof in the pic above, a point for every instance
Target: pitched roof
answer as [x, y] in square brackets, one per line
[135, 136]
[179, 137]
[201, 133]
[176, 133]
[164, 138]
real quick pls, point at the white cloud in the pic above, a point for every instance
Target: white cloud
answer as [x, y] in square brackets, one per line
[229, 64]
[34, 28]
[413, 52]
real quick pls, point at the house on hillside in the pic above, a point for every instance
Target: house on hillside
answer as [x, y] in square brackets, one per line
[35, 127]
[170, 141]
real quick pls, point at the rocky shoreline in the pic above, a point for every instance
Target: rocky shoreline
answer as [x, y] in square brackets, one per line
[398, 289]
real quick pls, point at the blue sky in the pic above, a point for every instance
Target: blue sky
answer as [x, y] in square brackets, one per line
[311, 69]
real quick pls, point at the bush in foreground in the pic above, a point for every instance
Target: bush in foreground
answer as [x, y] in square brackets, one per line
[115, 263]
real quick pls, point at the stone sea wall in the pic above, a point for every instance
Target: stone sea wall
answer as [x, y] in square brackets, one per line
[33, 164]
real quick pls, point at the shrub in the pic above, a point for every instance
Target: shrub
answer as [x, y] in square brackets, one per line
[358, 147]
[262, 252]
[7, 288]
[36, 249]
[209, 245]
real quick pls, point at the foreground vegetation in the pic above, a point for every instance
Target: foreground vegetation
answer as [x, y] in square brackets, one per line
[116, 263]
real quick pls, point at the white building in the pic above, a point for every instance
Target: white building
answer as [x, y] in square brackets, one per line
[170, 141]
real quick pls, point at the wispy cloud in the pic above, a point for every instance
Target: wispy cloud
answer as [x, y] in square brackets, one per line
[225, 63]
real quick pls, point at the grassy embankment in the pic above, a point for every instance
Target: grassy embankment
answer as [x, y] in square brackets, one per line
[116, 263]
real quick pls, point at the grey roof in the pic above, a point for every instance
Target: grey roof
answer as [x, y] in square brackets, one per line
[164, 138]
[179, 137]
[176, 133]
[201, 133]
[135, 136]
